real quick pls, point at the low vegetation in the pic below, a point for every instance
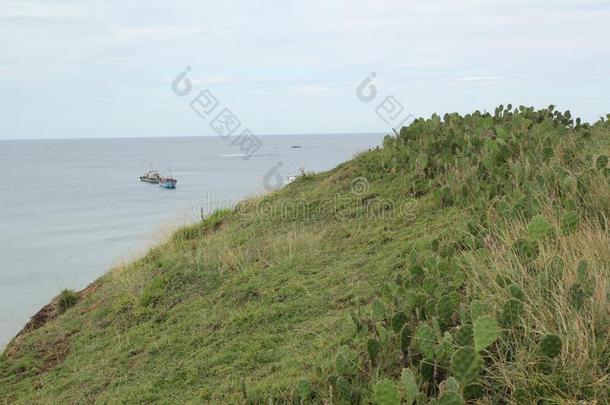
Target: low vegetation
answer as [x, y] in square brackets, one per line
[466, 260]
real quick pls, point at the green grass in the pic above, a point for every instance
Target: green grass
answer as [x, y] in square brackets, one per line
[474, 262]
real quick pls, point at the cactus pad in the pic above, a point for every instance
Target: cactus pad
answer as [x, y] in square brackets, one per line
[569, 222]
[539, 228]
[399, 319]
[465, 336]
[516, 292]
[485, 332]
[373, 347]
[478, 308]
[526, 250]
[386, 393]
[304, 389]
[550, 345]
[378, 310]
[511, 312]
[450, 398]
[425, 339]
[601, 162]
[465, 365]
[409, 385]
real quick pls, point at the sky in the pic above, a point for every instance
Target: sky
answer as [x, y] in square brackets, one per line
[80, 69]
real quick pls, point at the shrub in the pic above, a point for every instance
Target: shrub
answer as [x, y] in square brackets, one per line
[66, 300]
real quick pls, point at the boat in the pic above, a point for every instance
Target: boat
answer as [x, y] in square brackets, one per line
[152, 176]
[168, 182]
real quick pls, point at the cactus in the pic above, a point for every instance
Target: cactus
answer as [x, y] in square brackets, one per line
[577, 295]
[378, 310]
[405, 338]
[430, 307]
[446, 306]
[425, 339]
[511, 312]
[473, 391]
[539, 228]
[373, 347]
[581, 272]
[344, 361]
[383, 333]
[465, 336]
[417, 273]
[569, 222]
[409, 385]
[550, 346]
[399, 319]
[465, 365]
[526, 250]
[444, 350]
[355, 315]
[601, 162]
[386, 393]
[479, 308]
[516, 292]
[429, 284]
[427, 369]
[485, 332]
[451, 398]
[452, 385]
[303, 389]
[555, 267]
[344, 389]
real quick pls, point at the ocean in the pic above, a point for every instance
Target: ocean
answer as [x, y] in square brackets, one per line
[70, 210]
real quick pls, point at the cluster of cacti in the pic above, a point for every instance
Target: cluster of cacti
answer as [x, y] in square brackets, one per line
[428, 322]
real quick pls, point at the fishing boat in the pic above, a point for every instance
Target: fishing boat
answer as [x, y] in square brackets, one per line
[152, 176]
[168, 182]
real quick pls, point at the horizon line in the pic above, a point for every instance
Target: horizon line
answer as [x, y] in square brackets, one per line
[192, 136]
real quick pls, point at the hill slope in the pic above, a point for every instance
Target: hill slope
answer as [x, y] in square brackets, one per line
[466, 259]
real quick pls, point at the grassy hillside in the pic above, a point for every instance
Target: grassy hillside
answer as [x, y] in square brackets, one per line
[466, 260]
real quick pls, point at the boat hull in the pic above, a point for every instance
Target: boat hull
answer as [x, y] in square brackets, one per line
[168, 184]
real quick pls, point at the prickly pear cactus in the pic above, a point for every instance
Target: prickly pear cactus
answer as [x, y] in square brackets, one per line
[516, 292]
[527, 251]
[398, 320]
[452, 385]
[451, 398]
[443, 352]
[344, 389]
[405, 338]
[550, 346]
[511, 312]
[465, 365]
[485, 332]
[601, 162]
[479, 308]
[378, 310]
[446, 306]
[386, 393]
[464, 336]
[569, 222]
[344, 361]
[409, 385]
[303, 389]
[539, 228]
[425, 340]
[373, 347]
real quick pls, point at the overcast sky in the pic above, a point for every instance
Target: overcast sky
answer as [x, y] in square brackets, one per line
[71, 69]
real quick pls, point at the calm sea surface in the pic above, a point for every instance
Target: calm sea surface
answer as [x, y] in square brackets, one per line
[72, 209]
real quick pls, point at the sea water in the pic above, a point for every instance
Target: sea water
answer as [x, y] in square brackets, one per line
[70, 210]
